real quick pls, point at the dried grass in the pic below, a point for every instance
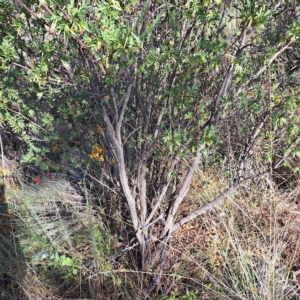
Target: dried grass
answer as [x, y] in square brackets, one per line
[246, 248]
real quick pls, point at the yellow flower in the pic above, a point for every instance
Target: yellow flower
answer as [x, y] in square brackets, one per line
[93, 155]
[277, 100]
[97, 152]
[98, 149]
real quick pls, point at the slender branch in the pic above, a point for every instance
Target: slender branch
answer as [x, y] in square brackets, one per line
[130, 134]
[215, 114]
[122, 112]
[18, 65]
[182, 193]
[160, 217]
[113, 95]
[98, 181]
[163, 192]
[156, 279]
[263, 68]
[142, 190]
[249, 146]
[30, 11]
[294, 142]
[214, 202]
[122, 171]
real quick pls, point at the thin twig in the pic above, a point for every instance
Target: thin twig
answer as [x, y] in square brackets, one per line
[98, 181]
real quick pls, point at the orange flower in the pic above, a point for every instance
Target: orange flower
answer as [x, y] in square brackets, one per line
[98, 129]
[54, 148]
